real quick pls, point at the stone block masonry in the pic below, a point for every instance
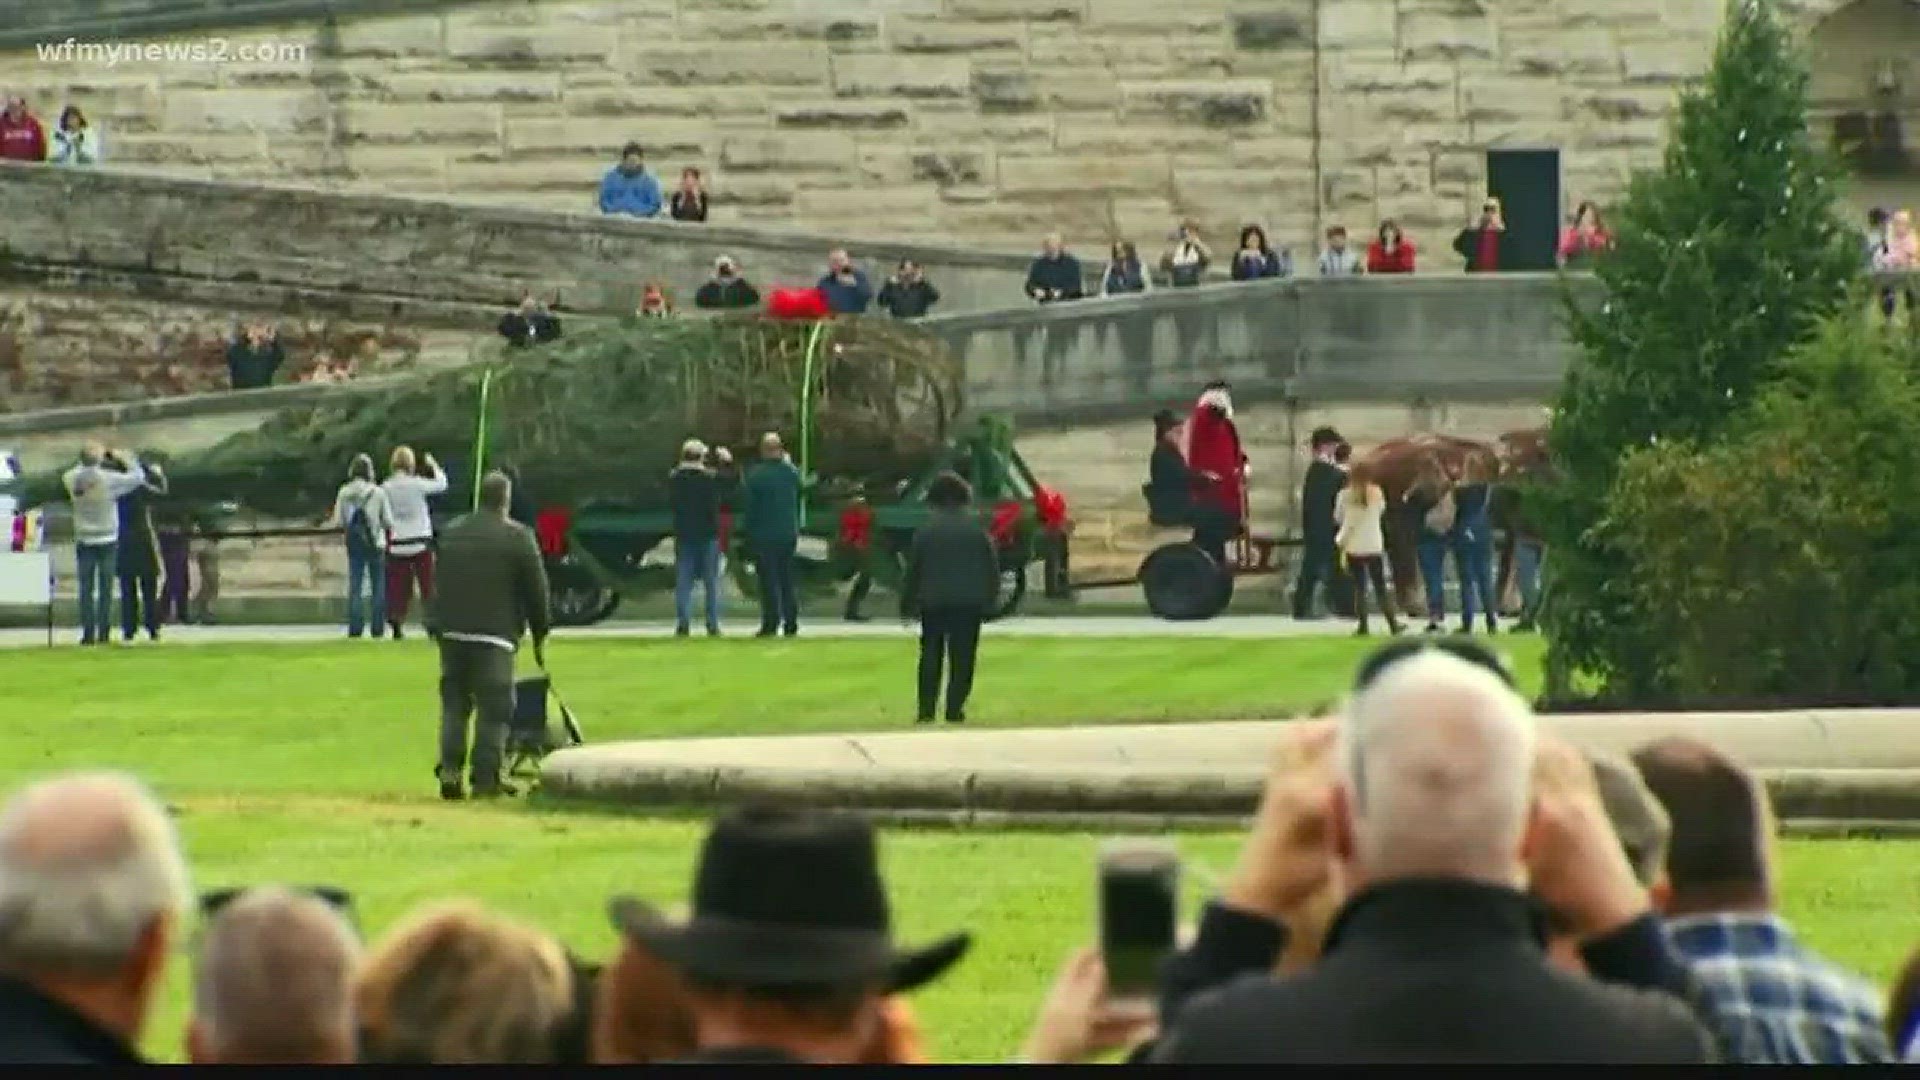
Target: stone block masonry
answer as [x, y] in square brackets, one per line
[969, 121]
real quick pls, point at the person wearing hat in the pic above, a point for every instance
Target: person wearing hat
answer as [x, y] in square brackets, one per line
[726, 290]
[789, 953]
[1324, 482]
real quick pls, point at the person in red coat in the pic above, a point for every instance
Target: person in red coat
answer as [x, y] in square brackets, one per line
[1392, 253]
[1219, 467]
[22, 138]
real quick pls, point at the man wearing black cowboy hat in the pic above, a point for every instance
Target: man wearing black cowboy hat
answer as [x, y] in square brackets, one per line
[789, 953]
[1324, 481]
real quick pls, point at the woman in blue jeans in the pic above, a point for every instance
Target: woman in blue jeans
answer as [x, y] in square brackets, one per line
[360, 510]
[1472, 543]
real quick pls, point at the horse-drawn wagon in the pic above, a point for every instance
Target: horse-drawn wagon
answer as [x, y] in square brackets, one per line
[1182, 582]
[604, 551]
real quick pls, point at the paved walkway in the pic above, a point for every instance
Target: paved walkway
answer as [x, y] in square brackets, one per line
[1045, 626]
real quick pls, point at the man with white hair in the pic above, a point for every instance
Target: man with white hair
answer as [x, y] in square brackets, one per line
[273, 984]
[1437, 953]
[92, 891]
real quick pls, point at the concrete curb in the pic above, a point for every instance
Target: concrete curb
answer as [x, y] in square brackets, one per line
[1812, 801]
[1838, 770]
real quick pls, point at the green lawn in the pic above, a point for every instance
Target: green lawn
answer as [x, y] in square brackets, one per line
[358, 717]
[311, 764]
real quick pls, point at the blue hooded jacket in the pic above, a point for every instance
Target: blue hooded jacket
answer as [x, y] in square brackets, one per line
[638, 195]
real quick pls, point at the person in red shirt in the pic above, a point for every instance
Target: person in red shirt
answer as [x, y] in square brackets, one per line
[22, 138]
[1392, 253]
[1484, 244]
[1585, 238]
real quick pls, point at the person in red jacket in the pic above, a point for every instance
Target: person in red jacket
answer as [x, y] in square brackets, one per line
[1219, 467]
[22, 137]
[1392, 253]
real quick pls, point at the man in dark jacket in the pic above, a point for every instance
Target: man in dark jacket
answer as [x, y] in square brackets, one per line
[529, 324]
[908, 294]
[773, 493]
[492, 588]
[1317, 495]
[1170, 483]
[1055, 275]
[695, 492]
[1437, 955]
[951, 581]
[254, 357]
[845, 285]
[94, 888]
[726, 290]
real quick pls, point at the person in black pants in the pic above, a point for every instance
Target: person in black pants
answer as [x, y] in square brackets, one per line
[137, 561]
[1170, 491]
[951, 582]
[1323, 485]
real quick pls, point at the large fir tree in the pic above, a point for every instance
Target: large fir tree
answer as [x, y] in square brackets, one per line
[1725, 258]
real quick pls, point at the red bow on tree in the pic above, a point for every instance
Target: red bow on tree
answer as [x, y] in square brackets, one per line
[798, 304]
[1006, 518]
[550, 528]
[856, 527]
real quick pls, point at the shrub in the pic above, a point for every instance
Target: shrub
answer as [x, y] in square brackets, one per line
[1785, 560]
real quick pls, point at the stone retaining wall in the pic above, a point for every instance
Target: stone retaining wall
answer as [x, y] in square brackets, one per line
[967, 120]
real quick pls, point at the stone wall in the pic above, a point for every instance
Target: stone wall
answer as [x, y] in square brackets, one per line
[74, 348]
[981, 121]
[1446, 337]
[407, 250]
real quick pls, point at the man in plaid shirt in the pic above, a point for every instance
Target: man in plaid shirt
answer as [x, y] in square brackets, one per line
[1764, 996]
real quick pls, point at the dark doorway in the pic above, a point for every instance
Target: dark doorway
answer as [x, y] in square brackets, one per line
[1527, 183]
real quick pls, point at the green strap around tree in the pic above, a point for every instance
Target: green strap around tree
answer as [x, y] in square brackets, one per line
[806, 412]
[480, 436]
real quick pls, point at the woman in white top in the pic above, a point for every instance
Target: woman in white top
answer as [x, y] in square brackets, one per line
[1362, 542]
[409, 532]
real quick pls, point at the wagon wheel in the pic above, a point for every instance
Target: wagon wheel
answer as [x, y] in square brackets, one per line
[1183, 584]
[1013, 589]
[577, 597]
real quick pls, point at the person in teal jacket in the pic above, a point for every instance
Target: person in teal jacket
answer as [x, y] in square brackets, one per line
[773, 535]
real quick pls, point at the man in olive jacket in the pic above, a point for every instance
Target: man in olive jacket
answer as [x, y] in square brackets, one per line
[773, 490]
[492, 587]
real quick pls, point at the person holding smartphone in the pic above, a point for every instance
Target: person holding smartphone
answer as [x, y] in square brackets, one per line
[1428, 827]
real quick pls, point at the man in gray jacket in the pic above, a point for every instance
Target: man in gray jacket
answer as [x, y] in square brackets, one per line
[95, 493]
[493, 588]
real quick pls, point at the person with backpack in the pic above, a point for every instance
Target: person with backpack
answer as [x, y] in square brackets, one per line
[360, 511]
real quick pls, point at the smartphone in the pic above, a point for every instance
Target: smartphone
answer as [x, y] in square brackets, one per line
[1139, 914]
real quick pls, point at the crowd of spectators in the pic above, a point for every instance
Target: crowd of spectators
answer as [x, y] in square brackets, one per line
[1430, 876]
[72, 140]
